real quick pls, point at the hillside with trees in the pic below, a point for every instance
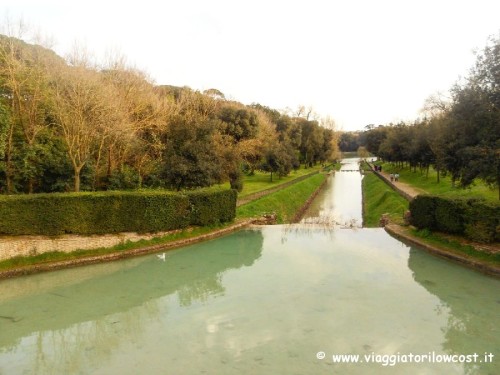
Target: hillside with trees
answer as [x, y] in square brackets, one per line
[72, 125]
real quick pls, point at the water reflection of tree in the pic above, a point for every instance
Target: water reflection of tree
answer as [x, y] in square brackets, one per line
[68, 351]
[330, 220]
[473, 319]
[78, 326]
[306, 230]
[200, 290]
[325, 225]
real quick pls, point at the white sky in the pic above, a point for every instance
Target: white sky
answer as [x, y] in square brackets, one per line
[359, 61]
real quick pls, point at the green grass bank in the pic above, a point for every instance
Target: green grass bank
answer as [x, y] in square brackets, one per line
[260, 181]
[285, 203]
[453, 244]
[379, 199]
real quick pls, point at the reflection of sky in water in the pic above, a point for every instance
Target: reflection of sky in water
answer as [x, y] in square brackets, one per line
[261, 301]
[340, 202]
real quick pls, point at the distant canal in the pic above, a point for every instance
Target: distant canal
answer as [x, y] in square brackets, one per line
[340, 202]
[269, 300]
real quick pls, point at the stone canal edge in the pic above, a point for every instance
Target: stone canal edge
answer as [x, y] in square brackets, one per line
[399, 232]
[52, 266]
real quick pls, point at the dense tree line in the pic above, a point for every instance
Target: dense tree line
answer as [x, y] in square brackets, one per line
[70, 125]
[349, 141]
[460, 137]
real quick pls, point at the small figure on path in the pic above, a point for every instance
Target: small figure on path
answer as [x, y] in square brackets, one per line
[391, 177]
[396, 177]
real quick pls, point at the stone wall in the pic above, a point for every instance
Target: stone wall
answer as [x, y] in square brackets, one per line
[11, 246]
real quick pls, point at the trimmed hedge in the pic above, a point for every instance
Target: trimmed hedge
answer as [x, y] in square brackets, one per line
[211, 207]
[112, 212]
[476, 219]
[422, 209]
[484, 223]
[450, 215]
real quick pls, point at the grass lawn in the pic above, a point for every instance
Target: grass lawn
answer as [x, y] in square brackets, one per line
[262, 181]
[285, 203]
[444, 187]
[378, 199]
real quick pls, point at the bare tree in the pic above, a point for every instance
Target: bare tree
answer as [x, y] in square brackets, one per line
[23, 69]
[81, 111]
[139, 113]
[436, 105]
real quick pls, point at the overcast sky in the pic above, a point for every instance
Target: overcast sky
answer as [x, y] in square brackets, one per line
[358, 61]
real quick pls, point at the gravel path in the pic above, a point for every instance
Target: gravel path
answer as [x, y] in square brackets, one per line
[406, 190]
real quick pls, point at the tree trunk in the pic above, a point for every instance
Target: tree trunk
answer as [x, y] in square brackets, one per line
[96, 182]
[8, 161]
[77, 180]
[110, 161]
[8, 179]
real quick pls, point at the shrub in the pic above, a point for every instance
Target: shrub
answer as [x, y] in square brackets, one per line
[476, 219]
[210, 207]
[112, 212]
[449, 215]
[422, 210]
[482, 221]
[125, 179]
[236, 180]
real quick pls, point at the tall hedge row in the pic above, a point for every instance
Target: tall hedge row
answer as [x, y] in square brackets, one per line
[112, 212]
[210, 207]
[476, 219]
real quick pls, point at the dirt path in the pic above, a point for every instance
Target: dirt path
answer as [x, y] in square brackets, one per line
[406, 190]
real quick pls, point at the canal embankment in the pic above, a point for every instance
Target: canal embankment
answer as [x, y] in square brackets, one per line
[379, 199]
[31, 254]
[81, 258]
[288, 203]
[254, 196]
[471, 261]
